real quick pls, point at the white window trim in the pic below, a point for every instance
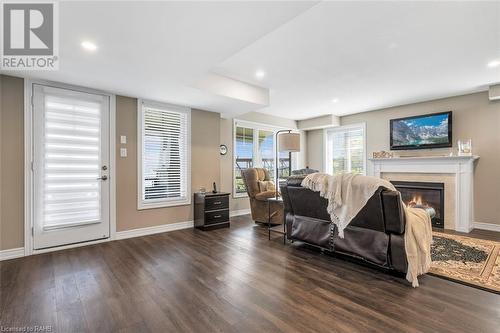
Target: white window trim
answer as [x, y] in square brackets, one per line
[254, 126]
[141, 205]
[341, 129]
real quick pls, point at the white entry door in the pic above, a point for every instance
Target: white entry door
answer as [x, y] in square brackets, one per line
[70, 166]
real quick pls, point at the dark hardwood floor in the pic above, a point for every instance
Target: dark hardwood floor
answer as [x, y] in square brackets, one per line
[228, 280]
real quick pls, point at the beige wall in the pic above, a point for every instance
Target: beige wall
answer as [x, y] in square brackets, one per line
[313, 139]
[315, 150]
[208, 131]
[205, 167]
[475, 117]
[226, 137]
[226, 166]
[11, 162]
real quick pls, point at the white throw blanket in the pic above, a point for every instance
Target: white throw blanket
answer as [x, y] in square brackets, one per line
[348, 193]
[418, 240]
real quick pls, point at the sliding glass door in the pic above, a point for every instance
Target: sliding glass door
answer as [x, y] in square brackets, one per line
[255, 146]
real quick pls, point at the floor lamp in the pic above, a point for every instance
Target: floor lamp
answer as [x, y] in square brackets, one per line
[287, 142]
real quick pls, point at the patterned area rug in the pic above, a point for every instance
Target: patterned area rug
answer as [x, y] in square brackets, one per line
[467, 260]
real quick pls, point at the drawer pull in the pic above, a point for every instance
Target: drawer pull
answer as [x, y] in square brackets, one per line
[217, 202]
[217, 216]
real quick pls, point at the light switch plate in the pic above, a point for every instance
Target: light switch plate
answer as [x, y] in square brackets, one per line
[123, 152]
[123, 139]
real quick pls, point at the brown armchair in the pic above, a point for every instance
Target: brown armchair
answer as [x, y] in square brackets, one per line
[259, 189]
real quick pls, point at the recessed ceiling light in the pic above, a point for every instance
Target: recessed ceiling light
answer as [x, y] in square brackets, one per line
[89, 46]
[393, 45]
[335, 100]
[260, 74]
[494, 63]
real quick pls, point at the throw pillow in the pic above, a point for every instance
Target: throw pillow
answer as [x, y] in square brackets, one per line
[266, 185]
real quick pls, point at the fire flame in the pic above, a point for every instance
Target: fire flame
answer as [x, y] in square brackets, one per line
[417, 201]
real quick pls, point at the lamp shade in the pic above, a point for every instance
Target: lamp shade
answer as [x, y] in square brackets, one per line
[289, 142]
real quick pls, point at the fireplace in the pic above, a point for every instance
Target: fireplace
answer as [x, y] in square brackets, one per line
[429, 196]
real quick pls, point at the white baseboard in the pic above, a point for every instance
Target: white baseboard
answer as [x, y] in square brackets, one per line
[153, 230]
[12, 253]
[239, 212]
[486, 226]
[19, 252]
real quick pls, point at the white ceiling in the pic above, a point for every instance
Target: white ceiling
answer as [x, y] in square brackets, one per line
[371, 55]
[158, 50]
[367, 54]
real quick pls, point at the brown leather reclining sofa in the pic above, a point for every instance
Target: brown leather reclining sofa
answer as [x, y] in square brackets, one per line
[375, 235]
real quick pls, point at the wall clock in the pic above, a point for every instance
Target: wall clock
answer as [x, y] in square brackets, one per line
[223, 149]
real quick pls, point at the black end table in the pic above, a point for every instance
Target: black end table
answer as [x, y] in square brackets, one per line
[270, 201]
[211, 210]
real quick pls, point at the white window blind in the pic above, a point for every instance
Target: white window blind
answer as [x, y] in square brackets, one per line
[69, 160]
[345, 149]
[164, 155]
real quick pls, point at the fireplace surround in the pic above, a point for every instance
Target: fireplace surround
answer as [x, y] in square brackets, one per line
[426, 195]
[455, 171]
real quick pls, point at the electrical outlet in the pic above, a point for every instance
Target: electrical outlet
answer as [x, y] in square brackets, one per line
[123, 139]
[123, 152]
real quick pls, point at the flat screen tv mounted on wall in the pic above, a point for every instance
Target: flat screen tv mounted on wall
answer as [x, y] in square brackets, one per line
[422, 132]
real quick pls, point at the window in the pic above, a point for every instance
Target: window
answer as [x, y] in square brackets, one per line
[244, 156]
[266, 156]
[255, 147]
[284, 166]
[164, 155]
[345, 149]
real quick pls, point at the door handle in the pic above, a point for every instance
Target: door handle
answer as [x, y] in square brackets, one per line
[103, 178]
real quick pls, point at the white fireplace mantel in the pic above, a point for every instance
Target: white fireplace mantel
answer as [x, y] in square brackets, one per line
[461, 166]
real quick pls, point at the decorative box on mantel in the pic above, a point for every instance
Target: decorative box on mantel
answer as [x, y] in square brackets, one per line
[456, 172]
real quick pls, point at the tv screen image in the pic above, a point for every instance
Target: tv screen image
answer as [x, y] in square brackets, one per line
[426, 131]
